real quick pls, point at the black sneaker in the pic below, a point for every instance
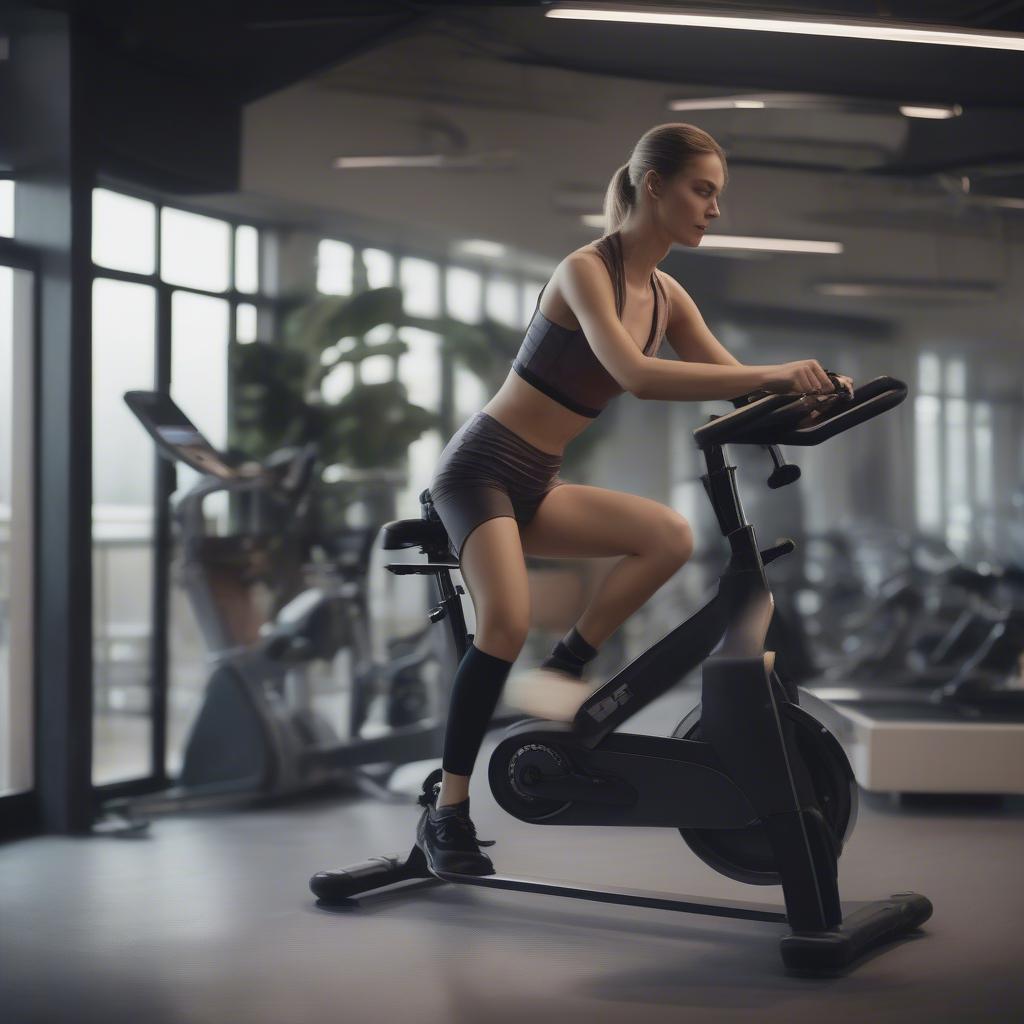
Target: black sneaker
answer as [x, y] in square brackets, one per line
[447, 837]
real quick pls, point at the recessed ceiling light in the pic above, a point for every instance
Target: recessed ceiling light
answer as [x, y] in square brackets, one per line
[853, 29]
[481, 247]
[935, 113]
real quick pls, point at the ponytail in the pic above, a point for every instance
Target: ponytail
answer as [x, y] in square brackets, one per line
[618, 200]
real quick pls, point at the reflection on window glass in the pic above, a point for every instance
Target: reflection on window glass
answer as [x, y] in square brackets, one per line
[380, 268]
[956, 377]
[124, 326]
[123, 232]
[334, 267]
[245, 323]
[502, 303]
[928, 462]
[464, 295]
[929, 374]
[531, 294]
[194, 250]
[420, 282]
[958, 495]
[420, 368]
[6, 208]
[247, 259]
[983, 491]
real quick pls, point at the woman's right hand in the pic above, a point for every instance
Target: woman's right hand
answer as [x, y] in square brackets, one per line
[803, 377]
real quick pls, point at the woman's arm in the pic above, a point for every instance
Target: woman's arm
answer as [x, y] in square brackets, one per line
[707, 369]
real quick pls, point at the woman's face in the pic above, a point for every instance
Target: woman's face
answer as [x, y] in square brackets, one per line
[688, 201]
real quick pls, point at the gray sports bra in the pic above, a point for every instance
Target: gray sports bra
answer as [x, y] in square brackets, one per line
[560, 362]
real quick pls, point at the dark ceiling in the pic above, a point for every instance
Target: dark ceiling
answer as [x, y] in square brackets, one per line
[236, 53]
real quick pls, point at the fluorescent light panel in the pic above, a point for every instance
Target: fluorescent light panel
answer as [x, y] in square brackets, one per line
[481, 247]
[349, 163]
[809, 101]
[934, 113]
[842, 29]
[749, 243]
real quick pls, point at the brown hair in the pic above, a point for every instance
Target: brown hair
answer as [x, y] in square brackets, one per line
[665, 148]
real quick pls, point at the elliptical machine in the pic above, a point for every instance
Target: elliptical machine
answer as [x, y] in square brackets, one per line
[257, 734]
[756, 786]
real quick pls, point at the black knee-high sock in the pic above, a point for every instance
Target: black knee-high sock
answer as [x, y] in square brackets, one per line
[478, 683]
[570, 654]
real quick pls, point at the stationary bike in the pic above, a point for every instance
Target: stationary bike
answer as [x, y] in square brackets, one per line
[755, 785]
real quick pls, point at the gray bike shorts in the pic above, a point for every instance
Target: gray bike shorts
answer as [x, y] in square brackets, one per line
[488, 470]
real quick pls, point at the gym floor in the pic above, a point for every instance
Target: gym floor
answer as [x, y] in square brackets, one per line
[209, 919]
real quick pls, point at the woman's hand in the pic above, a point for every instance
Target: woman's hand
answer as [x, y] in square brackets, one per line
[803, 377]
[842, 391]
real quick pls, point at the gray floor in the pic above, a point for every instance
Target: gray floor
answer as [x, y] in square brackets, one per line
[210, 920]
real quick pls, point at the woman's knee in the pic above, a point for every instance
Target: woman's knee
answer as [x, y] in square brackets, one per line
[495, 572]
[674, 538]
[502, 639]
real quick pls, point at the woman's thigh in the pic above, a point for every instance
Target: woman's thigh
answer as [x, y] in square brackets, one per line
[494, 572]
[580, 521]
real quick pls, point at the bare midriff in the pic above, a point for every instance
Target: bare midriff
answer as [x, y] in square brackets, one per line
[538, 419]
[543, 422]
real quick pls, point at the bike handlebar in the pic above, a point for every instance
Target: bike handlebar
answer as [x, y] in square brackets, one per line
[776, 419]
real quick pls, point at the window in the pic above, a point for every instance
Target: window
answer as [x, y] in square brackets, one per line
[6, 208]
[245, 323]
[247, 259]
[197, 254]
[194, 250]
[123, 232]
[380, 268]
[334, 268]
[420, 281]
[502, 302]
[464, 290]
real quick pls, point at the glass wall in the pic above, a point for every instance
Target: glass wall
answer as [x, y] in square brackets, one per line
[124, 353]
[197, 269]
[16, 540]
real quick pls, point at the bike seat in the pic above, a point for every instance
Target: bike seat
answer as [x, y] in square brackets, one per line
[410, 533]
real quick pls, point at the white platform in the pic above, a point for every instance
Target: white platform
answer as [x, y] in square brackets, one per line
[912, 746]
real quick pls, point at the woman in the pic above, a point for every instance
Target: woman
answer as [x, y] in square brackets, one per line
[595, 332]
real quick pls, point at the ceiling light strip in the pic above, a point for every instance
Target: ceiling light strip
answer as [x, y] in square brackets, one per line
[844, 29]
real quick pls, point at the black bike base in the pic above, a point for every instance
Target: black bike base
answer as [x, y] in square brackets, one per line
[869, 925]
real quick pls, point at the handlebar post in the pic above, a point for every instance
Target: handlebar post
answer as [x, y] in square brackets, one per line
[720, 484]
